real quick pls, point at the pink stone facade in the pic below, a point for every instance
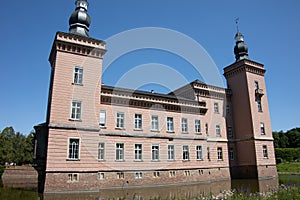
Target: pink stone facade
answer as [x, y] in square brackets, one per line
[98, 136]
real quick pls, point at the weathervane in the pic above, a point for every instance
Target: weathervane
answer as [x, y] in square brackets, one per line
[237, 24]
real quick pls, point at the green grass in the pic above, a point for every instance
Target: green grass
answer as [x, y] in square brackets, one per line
[288, 167]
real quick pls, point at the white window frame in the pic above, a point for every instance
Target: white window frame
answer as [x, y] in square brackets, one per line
[120, 152]
[197, 126]
[138, 152]
[120, 120]
[185, 152]
[220, 153]
[72, 155]
[184, 125]
[199, 155]
[170, 124]
[138, 122]
[101, 175]
[138, 175]
[101, 151]
[102, 119]
[265, 151]
[218, 130]
[76, 110]
[154, 123]
[262, 128]
[78, 75]
[155, 152]
[216, 108]
[171, 152]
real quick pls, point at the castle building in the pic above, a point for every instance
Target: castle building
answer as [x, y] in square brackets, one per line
[98, 136]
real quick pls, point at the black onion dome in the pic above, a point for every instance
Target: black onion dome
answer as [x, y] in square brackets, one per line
[240, 49]
[80, 20]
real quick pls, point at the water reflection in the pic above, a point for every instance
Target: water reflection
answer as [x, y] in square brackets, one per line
[171, 192]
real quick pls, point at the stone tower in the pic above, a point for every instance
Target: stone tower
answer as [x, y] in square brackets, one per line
[75, 86]
[252, 139]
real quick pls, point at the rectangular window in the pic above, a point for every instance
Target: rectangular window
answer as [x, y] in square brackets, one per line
[228, 109]
[184, 125]
[100, 175]
[154, 123]
[120, 120]
[256, 85]
[102, 118]
[76, 110]
[119, 151]
[101, 151]
[265, 151]
[171, 152]
[170, 124]
[259, 106]
[216, 107]
[156, 174]
[197, 126]
[138, 175]
[73, 177]
[155, 152]
[185, 152]
[138, 121]
[73, 153]
[206, 128]
[229, 130]
[78, 75]
[262, 128]
[231, 153]
[138, 152]
[220, 153]
[218, 131]
[172, 173]
[199, 152]
[208, 153]
[120, 175]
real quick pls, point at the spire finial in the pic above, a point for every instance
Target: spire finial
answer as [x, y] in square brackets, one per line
[237, 24]
[80, 21]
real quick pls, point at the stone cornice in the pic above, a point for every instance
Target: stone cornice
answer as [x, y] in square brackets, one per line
[244, 66]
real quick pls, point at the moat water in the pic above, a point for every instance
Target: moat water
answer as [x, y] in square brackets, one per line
[163, 192]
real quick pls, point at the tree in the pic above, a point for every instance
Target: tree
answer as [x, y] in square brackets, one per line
[284, 140]
[276, 139]
[294, 137]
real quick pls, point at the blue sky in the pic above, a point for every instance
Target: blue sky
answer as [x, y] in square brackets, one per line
[271, 29]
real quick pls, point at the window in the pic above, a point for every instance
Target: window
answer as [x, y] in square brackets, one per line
[265, 151]
[199, 152]
[170, 124]
[156, 174]
[138, 175]
[228, 109]
[229, 129]
[76, 110]
[138, 152]
[155, 152]
[119, 151]
[120, 175]
[216, 107]
[102, 118]
[231, 153]
[101, 148]
[120, 120]
[171, 152]
[197, 126]
[220, 153]
[172, 173]
[100, 175]
[184, 126]
[208, 153]
[256, 85]
[218, 131]
[185, 152]
[73, 177]
[206, 128]
[154, 123]
[73, 149]
[262, 128]
[259, 106]
[78, 74]
[138, 121]
[187, 173]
